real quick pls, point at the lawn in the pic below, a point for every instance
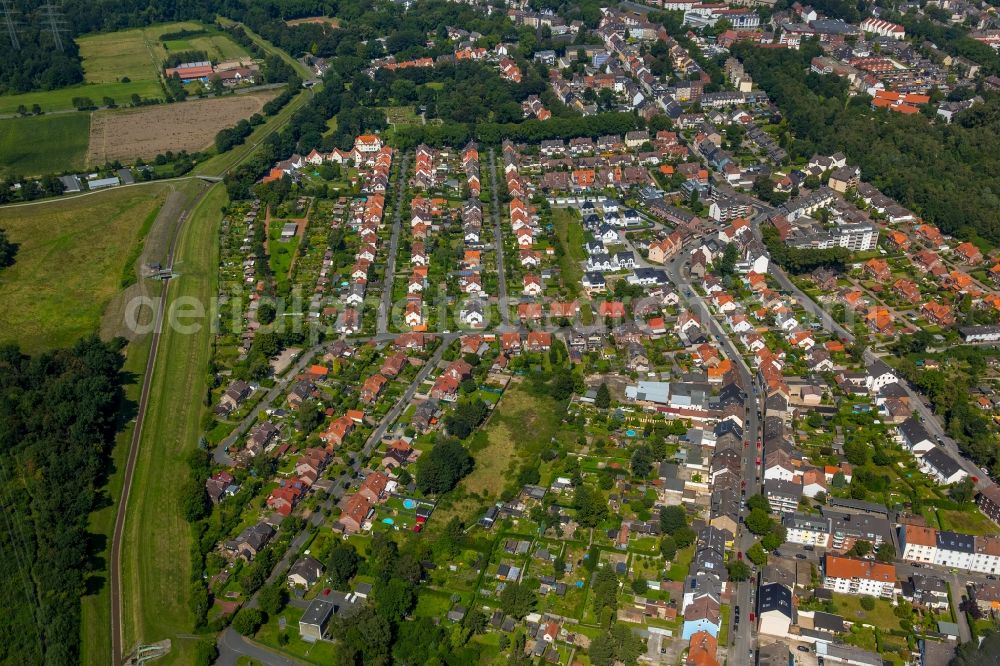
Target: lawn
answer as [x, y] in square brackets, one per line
[70, 262]
[522, 424]
[36, 145]
[967, 522]
[849, 606]
[569, 231]
[156, 561]
[680, 564]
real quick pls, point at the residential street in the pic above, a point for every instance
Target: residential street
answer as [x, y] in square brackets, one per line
[385, 304]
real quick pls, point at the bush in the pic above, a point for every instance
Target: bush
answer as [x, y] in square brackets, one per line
[868, 603]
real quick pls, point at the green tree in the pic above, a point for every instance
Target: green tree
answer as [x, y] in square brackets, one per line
[273, 597]
[8, 250]
[517, 600]
[860, 548]
[342, 564]
[616, 645]
[605, 590]
[266, 313]
[247, 621]
[963, 491]
[757, 555]
[668, 548]
[672, 518]
[590, 506]
[758, 522]
[603, 398]
[886, 552]
[642, 461]
[442, 468]
[738, 570]
[868, 603]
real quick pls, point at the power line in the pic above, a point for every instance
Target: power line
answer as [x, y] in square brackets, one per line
[57, 23]
[8, 19]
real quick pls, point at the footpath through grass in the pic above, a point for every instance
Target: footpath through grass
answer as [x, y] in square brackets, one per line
[70, 262]
[156, 560]
[36, 145]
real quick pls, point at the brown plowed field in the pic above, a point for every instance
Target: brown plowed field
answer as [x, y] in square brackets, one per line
[148, 131]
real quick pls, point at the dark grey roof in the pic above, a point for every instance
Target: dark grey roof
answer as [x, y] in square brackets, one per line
[828, 622]
[914, 432]
[774, 597]
[964, 543]
[782, 488]
[942, 462]
[318, 612]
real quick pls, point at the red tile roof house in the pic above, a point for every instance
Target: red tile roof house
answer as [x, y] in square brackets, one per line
[877, 269]
[445, 388]
[355, 511]
[372, 388]
[611, 309]
[393, 365]
[529, 311]
[969, 253]
[283, 499]
[338, 431]
[907, 289]
[538, 341]
[510, 341]
[458, 369]
[373, 487]
[939, 313]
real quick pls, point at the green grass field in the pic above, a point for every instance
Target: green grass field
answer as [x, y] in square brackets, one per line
[43, 144]
[569, 231]
[70, 263]
[156, 562]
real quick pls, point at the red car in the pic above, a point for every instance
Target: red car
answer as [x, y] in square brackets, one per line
[746, 444]
[739, 555]
[743, 484]
[751, 617]
[758, 461]
[759, 447]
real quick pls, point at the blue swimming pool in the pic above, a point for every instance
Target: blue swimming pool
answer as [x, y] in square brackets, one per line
[388, 521]
[630, 432]
[409, 504]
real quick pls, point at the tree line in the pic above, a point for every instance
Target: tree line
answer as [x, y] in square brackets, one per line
[59, 412]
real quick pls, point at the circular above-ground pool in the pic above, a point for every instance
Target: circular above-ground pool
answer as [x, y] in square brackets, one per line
[388, 521]
[409, 504]
[630, 432]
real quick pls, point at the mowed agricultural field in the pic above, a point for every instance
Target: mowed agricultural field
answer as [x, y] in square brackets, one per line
[70, 263]
[133, 54]
[150, 130]
[43, 144]
[156, 557]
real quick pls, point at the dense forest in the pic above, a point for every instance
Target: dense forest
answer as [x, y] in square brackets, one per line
[59, 412]
[944, 173]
